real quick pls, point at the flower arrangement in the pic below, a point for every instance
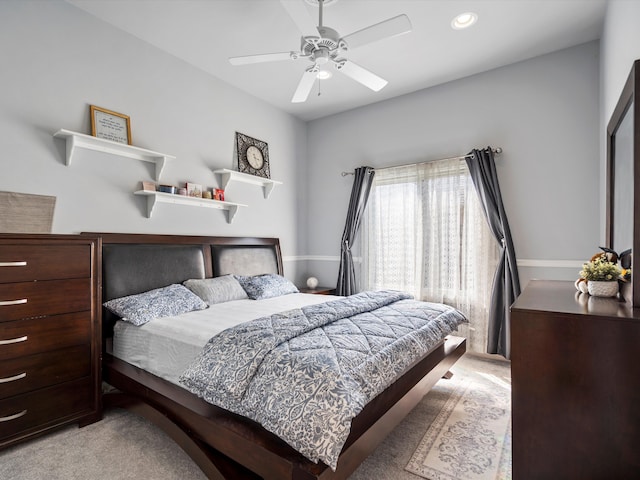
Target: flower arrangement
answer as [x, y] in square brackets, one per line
[600, 269]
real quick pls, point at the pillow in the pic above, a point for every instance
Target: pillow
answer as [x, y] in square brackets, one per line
[268, 285]
[161, 302]
[217, 290]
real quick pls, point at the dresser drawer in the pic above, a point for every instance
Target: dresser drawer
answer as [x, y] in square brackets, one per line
[22, 263]
[24, 374]
[37, 335]
[37, 410]
[33, 299]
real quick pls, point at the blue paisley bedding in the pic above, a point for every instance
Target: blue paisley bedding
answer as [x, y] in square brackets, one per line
[305, 373]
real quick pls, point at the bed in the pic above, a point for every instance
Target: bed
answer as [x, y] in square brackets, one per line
[225, 444]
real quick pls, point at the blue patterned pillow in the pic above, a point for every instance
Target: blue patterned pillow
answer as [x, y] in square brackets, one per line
[161, 302]
[264, 286]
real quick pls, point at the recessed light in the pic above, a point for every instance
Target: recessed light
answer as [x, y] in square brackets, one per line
[324, 74]
[464, 20]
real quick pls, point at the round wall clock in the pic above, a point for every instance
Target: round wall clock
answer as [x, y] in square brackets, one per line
[253, 155]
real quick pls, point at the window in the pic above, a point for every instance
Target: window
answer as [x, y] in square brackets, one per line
[424, 232]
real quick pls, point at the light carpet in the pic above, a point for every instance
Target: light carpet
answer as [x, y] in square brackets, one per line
[124, 446]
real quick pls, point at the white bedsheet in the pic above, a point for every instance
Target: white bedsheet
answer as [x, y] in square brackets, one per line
[167, 346]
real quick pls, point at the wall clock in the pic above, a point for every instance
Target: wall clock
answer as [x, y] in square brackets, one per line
[253, 156]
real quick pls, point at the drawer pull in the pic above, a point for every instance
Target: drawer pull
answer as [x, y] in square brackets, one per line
[13, 340]
[5, 303]
[13, 417]
[13, 264]
[14, 378]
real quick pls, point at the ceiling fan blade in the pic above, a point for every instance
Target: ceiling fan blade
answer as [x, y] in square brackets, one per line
[264, 57]
[305, 86]
[362, 75]
[385, 29]
[300, 16]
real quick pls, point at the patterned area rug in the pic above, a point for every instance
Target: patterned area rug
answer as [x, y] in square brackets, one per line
[470, 439]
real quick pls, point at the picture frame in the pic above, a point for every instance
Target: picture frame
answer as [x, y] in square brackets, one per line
[194, 190]
[148, 186]
[110, 125]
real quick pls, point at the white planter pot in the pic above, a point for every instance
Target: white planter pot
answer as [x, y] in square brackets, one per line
[603, 289]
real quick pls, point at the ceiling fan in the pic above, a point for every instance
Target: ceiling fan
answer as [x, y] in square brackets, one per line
[322, 45]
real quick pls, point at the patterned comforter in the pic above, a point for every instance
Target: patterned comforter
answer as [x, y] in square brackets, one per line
[305, 373]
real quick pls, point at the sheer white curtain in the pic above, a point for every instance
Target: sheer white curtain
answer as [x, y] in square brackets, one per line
[424, 232]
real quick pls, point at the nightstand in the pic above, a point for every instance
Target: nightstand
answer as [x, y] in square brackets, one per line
[318, 290]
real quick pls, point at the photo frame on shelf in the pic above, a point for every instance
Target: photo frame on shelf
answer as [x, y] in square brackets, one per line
[148, 186]
[110, 125]
[252, 155]
[194, 190]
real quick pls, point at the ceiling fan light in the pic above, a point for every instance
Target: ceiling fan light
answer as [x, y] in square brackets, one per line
[324, 74]
[464, 20]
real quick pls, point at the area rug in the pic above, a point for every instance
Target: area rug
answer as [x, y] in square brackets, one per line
[470, 439]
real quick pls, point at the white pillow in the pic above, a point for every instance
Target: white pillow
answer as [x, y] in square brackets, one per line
[217, 289]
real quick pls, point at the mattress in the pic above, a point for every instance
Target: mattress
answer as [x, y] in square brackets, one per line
[166, 346]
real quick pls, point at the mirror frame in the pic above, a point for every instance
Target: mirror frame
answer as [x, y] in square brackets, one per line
[627, 105]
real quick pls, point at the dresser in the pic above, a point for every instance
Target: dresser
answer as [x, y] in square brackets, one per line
[575, 385]
[50, 333]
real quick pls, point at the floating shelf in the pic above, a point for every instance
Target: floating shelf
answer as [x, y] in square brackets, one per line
[80, 140]
[227, 175]
[159, 197]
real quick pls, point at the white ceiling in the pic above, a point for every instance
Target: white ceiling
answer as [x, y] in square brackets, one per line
[205, 33]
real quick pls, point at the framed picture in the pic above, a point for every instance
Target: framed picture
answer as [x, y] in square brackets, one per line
[194, 190]
[253, 155]
[148, 186]
[110, 125]
[218, 194]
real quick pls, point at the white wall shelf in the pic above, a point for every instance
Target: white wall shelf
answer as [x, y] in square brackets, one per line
[228, 175]
[159, 197]
[80, 140]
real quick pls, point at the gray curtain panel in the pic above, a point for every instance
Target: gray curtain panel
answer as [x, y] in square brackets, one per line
[346, 284]
[506, 282]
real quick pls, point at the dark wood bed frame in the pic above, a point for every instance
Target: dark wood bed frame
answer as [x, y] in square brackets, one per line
[228, 446]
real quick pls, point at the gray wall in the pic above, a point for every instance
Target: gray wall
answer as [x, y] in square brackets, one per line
[620, 47]
[543, 112]
[56, 60]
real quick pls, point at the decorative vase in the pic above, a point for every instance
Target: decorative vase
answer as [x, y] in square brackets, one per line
[599, 288]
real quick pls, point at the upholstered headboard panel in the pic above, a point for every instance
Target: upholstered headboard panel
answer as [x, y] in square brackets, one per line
[243, 260]
[130, 269]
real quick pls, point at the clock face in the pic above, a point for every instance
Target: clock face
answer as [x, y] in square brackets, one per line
[255, 157]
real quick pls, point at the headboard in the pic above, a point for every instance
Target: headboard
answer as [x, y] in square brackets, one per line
[136, 263]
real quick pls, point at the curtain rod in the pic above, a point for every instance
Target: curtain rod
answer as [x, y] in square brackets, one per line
[496, 150]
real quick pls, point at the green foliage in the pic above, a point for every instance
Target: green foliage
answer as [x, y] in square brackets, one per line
[600, 269]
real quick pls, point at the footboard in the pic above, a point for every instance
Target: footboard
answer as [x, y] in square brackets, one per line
[227, 446]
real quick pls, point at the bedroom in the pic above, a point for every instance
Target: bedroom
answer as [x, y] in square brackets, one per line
[548, 114]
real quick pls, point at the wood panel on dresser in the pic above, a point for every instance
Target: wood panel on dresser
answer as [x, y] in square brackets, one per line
[575, 385]
[50, 333]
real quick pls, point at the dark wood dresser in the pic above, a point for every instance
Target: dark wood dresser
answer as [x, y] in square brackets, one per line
[576, 385]
[50, 333]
